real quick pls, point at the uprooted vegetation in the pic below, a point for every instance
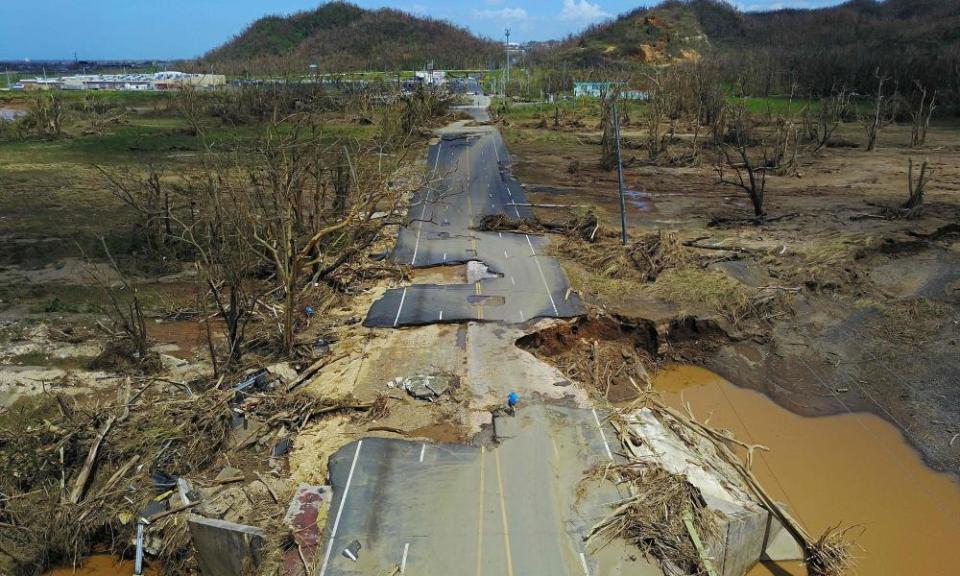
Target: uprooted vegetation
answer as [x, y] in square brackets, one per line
[76, 473]
[251, 218]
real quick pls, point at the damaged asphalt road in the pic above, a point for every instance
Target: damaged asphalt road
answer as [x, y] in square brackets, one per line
[471, 180]
[443, 509]
[513, 504]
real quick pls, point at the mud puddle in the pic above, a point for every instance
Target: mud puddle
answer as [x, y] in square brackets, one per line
[854, 469]
[181, 338]
[100, 565]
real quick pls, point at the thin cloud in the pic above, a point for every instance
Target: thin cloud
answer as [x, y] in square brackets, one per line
[582, 11]
[511, 14]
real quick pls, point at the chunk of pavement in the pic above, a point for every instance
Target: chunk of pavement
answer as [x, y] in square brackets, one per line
[284, 370]
[477, 271]
[780, 545]
[352, 551]
[226, 548]
[427, 386]
[506, 425]
[305, 519]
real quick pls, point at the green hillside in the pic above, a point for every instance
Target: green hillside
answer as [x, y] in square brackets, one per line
[340, 37]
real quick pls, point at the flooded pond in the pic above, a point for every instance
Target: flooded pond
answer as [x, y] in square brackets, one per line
[854, 469]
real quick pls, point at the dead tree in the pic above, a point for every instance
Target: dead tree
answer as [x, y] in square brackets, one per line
[820, 125]
[882, 114]
[151, 199]
[920, 113]
[914, 204]
[608, 145]
[750, 174]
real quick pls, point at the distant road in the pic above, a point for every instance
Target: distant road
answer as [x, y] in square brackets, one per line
[471, 179]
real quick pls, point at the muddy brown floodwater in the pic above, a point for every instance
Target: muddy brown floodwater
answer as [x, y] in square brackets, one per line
[100, 565]
[853, 469]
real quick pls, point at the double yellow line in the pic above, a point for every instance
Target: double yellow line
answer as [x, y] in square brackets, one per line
[503, 514]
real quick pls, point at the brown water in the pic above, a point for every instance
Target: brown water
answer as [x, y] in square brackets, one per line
[100, 565]
[852, 468]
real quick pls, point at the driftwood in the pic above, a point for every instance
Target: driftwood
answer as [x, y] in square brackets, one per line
[388, 429]
[695, 243]
[172, 511]
[80, 484]
[311, 370]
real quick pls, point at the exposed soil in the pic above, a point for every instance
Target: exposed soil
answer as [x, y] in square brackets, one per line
[867, 307]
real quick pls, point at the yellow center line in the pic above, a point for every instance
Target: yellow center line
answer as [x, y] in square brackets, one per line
[503, 516]
[480, 522]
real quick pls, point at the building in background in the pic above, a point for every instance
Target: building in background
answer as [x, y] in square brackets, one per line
[600, 89]
[130, 82]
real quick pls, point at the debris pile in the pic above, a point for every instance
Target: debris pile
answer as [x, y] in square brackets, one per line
[655, 518]
[644, 259]
[689, 487]
[74, 473]
[427, 387]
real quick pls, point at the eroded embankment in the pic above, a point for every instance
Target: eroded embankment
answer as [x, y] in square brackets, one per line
[854, 468]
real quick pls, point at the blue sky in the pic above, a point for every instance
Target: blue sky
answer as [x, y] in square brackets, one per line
[100, 29]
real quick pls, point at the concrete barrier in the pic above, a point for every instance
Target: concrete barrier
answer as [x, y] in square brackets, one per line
[226, 548]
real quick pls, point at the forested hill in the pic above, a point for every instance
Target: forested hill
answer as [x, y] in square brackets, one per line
[341, 37]
[906, 39]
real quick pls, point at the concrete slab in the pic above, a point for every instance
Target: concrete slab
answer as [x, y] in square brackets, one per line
[780, 545]
[225, 548]
[743, 522]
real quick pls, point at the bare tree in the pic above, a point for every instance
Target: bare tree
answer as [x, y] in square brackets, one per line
[882, 114]
[608, 145]
[913, 207]
[921, 112]
[820, 124]
[151, 199]
[750, 172]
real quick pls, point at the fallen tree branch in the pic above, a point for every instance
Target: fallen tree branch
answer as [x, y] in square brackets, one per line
[80, 485]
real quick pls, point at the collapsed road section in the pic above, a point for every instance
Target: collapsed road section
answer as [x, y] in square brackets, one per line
[470, 180]
[552, 485]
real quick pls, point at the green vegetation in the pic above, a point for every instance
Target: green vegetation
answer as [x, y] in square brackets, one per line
[808, 52]
[339, 37]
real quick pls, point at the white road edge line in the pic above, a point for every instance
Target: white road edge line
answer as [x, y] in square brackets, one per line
[512, 281]
[426, 199]
[400, 308]
[423, 449]
[602, 434]
[343, 501]
[583, 562]
[542, 275]
[403, 561]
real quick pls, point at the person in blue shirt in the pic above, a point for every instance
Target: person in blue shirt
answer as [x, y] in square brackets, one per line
[512, 399]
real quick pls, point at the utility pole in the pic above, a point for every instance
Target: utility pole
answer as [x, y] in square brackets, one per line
[623, 203]
[507, 78]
